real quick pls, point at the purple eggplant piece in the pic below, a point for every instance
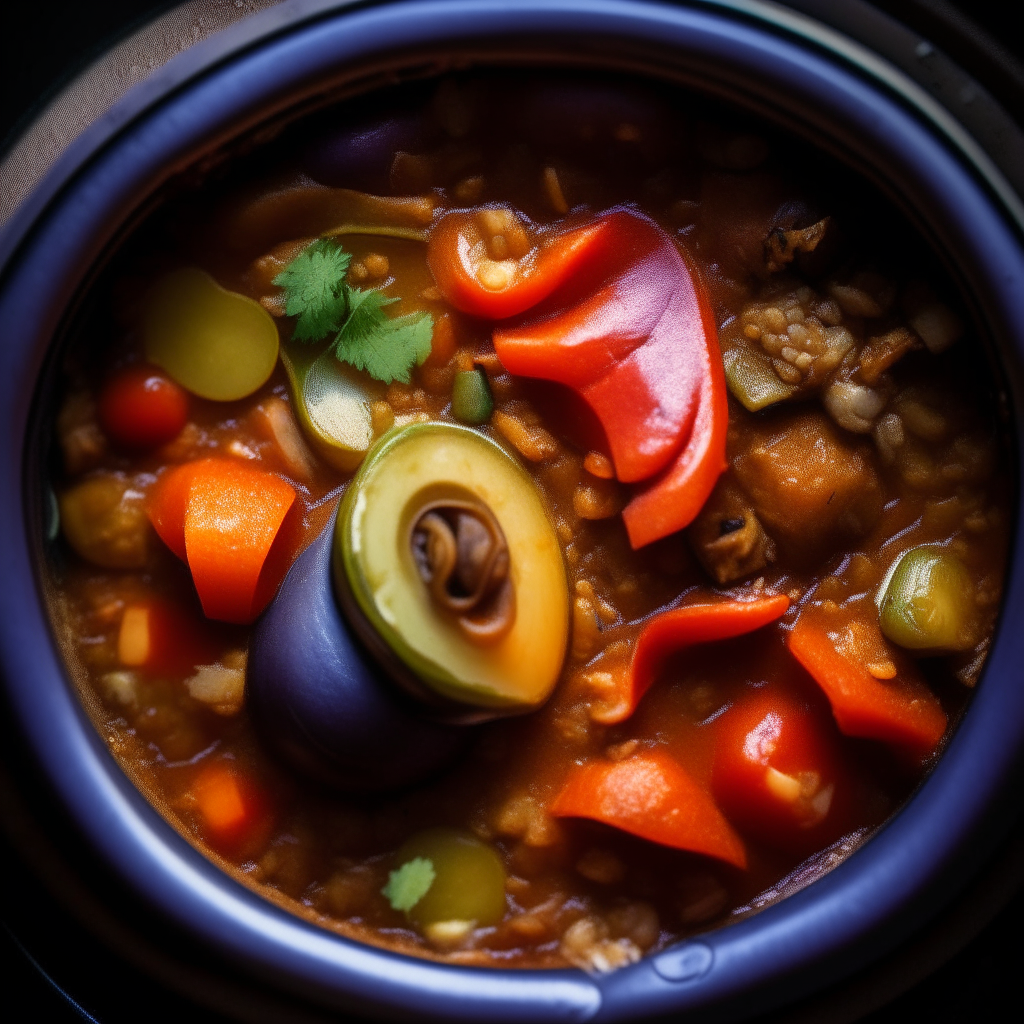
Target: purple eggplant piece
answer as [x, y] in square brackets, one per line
[361, 157]
[319, 702]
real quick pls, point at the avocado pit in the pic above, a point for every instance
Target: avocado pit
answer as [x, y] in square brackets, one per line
[463, 558]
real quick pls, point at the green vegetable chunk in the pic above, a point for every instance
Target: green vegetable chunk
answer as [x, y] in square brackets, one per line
[471, 397]
[215, 343]
[333, 402]
[448, 877]
[927, 602]
[365, 336]
[752, 381]
[449, 568]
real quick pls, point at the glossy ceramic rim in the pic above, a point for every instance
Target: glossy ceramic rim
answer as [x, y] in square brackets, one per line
[853, 915]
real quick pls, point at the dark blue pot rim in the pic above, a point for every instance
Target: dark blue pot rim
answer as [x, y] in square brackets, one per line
[851, 916]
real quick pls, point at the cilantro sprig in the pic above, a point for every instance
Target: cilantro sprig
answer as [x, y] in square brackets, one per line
[365, 335]
[314, 289]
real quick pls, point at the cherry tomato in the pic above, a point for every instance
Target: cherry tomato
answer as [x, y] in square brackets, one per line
[141, 407]
[778, 772]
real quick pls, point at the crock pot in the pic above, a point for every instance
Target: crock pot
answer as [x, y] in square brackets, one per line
[138, 884]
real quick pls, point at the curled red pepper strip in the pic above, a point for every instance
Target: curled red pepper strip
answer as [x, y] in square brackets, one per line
[902, 711]
[653, 797]
[475, 283]
[674, 630]
[672, 500]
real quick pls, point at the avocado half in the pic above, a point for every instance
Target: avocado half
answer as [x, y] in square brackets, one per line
[381, 590]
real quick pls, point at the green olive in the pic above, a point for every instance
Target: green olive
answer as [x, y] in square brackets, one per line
[447, 565]
[471, 397]
[926, 602]
[468, 884]
[333, 403]
[104, 519]
[215, 343]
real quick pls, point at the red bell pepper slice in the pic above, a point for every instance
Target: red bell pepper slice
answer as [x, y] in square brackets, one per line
[636, 344]
[778, 772]
[619, 317]
[674, 630]
[902, 711]
[673, 500]
[494, 289]
[653, 797]
[222, 517]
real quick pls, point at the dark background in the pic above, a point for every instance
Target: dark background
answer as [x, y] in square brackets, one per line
[43, 44]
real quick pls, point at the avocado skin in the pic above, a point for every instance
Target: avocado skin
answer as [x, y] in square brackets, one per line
[320, 705]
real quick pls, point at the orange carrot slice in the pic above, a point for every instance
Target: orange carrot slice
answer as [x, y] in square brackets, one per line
[220, 802]
[653, 797]
[901, 710]
[233, 815]
[164, 638]
[674, 630]
[168, 504]
[222, 517]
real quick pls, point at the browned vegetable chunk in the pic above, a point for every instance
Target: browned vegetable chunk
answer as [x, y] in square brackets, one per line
[727, 537]
[808, 485]
[781, 246]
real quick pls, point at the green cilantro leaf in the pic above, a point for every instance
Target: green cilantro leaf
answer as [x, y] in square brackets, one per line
[314, 289]
[386, 348]
[365, 336]
[410, 883]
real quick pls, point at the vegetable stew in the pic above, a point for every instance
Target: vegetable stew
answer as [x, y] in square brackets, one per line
[655, 475]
